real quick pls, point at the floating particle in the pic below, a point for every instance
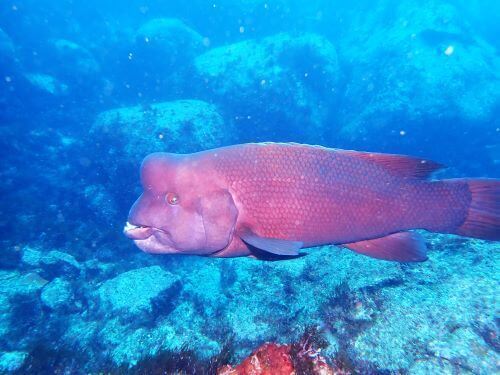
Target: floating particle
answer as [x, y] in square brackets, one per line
[242, 29]
[449, 50]
[402, 132]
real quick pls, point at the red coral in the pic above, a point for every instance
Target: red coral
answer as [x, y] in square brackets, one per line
[269, 359]
[275, 359]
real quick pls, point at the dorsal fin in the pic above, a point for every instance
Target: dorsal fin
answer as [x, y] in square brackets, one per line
[399, 165]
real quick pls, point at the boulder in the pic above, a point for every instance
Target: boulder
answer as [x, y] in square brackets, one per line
[280, 84]
[76, 61]
[102, 201]
[131, 293]
[168, 40]
[47, 84]
[57, 294]
[179, 126]
[15, 284]
[417, 71]
[161, 59]
[11, 361]
[51, 264]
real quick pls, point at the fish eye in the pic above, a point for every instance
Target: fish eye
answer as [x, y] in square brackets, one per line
[172, 198]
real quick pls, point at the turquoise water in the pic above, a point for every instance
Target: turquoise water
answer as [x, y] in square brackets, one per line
[88, 89]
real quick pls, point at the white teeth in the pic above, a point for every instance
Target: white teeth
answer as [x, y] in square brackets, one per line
[129, 226]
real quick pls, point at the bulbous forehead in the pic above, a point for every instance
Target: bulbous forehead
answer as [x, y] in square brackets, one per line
[158, 171]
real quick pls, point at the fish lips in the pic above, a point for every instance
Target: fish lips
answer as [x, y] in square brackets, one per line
[137, 232]
[149, 239]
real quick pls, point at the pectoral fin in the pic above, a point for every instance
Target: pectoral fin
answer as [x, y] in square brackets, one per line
[272, 245]
[399, 247]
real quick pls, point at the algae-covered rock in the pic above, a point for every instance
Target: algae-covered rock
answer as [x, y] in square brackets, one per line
[280, 82]
[53, 263]
[132, 292]
[47, 83]
[161, 60]
[11, 361]
[179, 126]
[57, 294]
[102, 201]
[418, 71]
[76, 61]
[446, 299]
[169, 40]
[15, 284]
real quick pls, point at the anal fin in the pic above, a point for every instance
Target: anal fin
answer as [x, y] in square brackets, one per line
[398, 247]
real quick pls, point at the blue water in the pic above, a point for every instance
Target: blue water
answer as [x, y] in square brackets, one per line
[87, 89]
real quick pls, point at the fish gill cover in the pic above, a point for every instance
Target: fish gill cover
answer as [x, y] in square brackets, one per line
[87, 89]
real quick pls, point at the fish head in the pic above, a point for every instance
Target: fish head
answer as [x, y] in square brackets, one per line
[182, 210]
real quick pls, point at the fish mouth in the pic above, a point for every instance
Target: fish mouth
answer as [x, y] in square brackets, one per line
[149, 239]
[137, 232]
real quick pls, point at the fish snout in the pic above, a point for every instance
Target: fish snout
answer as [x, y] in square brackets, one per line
[137, 232]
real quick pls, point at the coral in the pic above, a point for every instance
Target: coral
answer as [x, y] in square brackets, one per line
[302, 357]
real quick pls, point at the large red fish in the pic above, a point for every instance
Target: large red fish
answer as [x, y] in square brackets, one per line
[271, 199]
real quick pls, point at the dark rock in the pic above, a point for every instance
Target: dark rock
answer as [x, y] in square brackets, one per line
[280, 82]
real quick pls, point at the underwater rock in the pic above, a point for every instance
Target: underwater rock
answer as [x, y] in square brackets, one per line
[52, 264]
[180, 126]
[132, 292]
[419, 66]
[57, 294]
[16, 284]
[169, 41]
[47, 83]
[160, 61]
[280, 83]
[76, 62]
[101, 201]
[443, 297]
[11, 361]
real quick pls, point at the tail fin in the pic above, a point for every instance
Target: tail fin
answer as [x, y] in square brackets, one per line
[483, 215]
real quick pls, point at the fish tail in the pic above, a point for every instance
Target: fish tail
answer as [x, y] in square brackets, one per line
[482, 218]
